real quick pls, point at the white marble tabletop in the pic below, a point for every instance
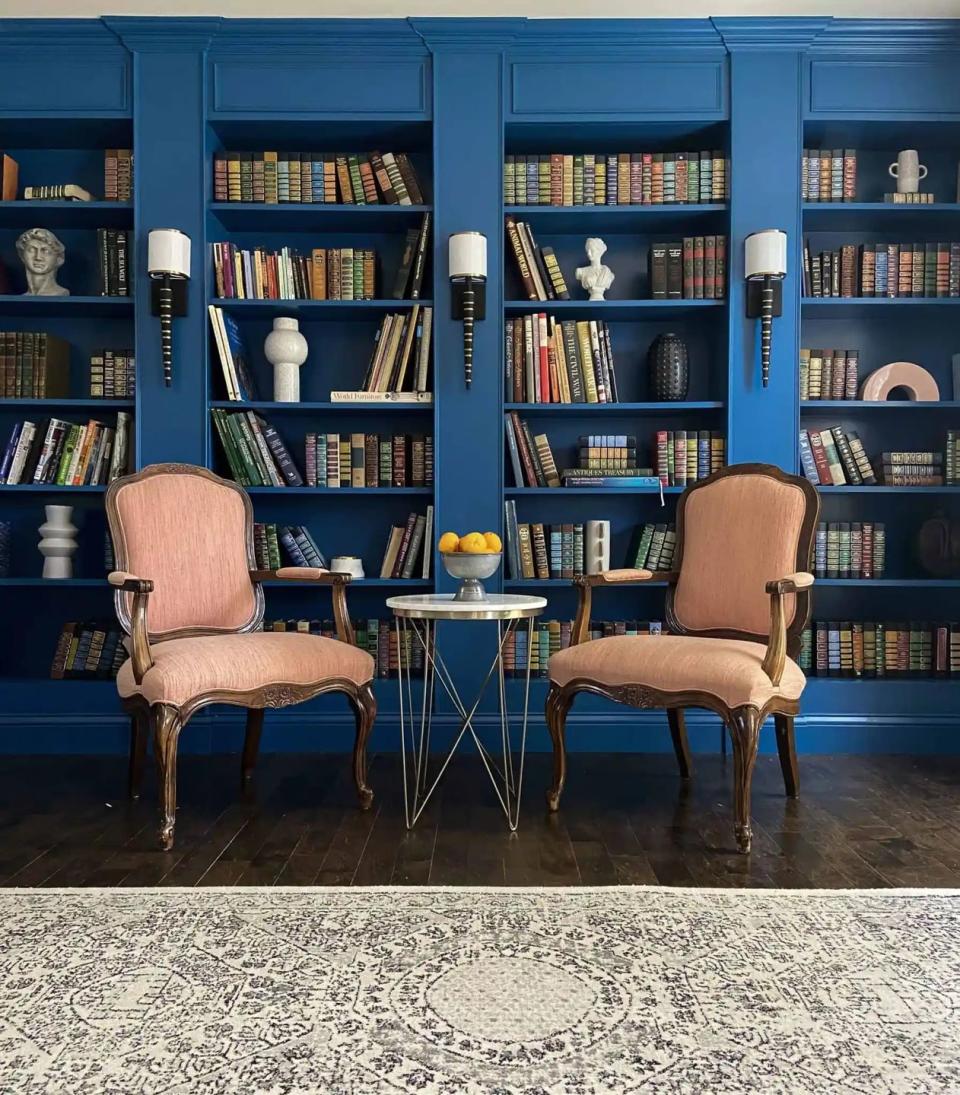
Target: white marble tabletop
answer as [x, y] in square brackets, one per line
[442, 606]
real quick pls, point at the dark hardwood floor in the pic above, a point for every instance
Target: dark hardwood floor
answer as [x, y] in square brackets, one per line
[860, 822]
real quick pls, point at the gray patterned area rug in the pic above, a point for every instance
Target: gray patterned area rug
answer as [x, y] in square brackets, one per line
[453, 991]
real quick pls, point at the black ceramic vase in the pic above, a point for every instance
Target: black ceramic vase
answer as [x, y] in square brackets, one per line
[668, 369]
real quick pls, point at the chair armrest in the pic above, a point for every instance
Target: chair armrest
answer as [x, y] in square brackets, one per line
[776, 656]
[140, 588]
[338, 583]
[588, 582]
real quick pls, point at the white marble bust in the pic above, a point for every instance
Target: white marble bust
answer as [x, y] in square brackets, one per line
[596, 278]
[42, 255]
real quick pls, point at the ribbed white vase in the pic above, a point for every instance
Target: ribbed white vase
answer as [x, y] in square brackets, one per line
[286, 350]
[58, 542]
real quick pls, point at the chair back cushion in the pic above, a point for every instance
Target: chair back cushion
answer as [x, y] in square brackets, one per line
[737, 531]
[186, 530]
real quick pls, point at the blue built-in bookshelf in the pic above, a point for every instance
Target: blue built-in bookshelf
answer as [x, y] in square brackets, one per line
[459, 96]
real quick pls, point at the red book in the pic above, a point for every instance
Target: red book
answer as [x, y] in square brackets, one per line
[688, 277]
[820, 459]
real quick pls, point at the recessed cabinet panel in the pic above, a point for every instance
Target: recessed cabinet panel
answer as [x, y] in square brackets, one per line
[50, 83]
[885, 87]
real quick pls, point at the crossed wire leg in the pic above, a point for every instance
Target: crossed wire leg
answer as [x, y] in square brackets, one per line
[418, 784]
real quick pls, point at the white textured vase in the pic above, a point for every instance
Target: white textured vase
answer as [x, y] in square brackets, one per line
[286, 350]
[58, 542]
[597, 547]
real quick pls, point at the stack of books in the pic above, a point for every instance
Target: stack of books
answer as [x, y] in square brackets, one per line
[883, 270]
[829, 175]
[118, 175]
[232, 355]
[653, 547]
[362, 460]
[558, 361]
[114, 251]
[377, 636]
[904, 649]
[850, 549]
[255, 452]
[88, 650]
[694, 268]
[544, 551]
[829, 374]
[113, 374]
[350, 178]
[67, 454]
[406, 545]
[835, 457]
[400, 361]
[298, 545]
[538, 266]
[684, 456]
[549, 636]
[34, 365]
[343, 273]
[620, 178]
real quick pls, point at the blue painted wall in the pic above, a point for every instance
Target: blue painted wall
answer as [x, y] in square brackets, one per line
[458, 93]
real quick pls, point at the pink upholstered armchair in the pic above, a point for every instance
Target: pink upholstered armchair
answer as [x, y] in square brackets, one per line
[736, 607]
[189, 597]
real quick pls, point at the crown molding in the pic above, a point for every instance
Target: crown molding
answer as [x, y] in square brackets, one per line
[619, 36]
[769, 33]
[58, 35]
[480, 35]
[323, 37]
[888, 36]
[158, 34]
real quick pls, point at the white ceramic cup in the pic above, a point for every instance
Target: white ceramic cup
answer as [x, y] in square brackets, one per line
[908, 171]
[347, 564]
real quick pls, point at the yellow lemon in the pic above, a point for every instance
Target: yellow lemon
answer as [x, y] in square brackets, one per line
[494, 542]
[473, 543]
[449, 541]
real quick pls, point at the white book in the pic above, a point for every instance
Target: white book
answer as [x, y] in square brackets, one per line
[427, 543]
[265, 452]
[223, 352]
[75, 456]
[381, 397]
[24, 442]
[121, 441]
[423, 361]
[103, 458]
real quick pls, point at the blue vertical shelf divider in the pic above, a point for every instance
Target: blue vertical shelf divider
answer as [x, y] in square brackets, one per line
[460, 94]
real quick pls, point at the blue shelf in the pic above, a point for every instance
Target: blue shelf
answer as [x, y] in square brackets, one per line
[812, 405]
[559, 492]
[833, 216]
[335, 492]
[880, 489]
[317, 216]
[616, 218]
[71, 404]
[888, 583]
[66, 214]
[846, 307]
[357, 583]
[54, 583]
[567, 583]
[261, 405]
[74, 307]
[613, 310]
[317, 309]
[614, 408]
[48, 488]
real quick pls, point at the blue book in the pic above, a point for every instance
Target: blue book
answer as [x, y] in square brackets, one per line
[880, 273]
[9, 451]
[316, 175]
[291, 547]
[514, 452]
[238, 353]
[632, 482]
[806, 459]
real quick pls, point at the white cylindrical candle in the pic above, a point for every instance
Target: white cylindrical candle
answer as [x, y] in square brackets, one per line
[468, 255]
[168, 252]
[766, 253]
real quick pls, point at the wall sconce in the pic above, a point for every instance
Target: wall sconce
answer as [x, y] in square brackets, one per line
[468, 277]
[765, 266]
[168, 264]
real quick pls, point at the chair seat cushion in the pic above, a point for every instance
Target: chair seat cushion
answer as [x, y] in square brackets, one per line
[728, 669]
[185, 668]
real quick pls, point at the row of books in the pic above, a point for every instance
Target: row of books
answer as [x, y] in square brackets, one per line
[34, 365]
[602, 460]
[694, 268]
[238, 378]
[543, 551]
[550, 636]
[829, 175]
[903, 649]
[538, 267]
[297, 543]
[850, 549]
[547, 360]
[883, 270]
[114, 251]
[255, 452]
[622, 178]
[337, 273]
[67, 454]
[685, 456]
[88, 649]
[829, 374]
[113, 374]
[409, 548]
[363, 460]
[400, 360]
[653, 547]
[351, 178]
[377, 636]
[118, 175]
[836, 457]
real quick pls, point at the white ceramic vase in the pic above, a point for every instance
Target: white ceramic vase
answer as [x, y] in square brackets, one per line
[58, 542]
[597, 547]
[286, 350]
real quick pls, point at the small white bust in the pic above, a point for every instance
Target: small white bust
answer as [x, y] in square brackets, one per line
[42, 255]
[596, 278]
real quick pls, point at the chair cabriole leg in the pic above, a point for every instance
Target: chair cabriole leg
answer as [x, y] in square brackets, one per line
[678, 732]
[744, 724]
[786, 747]
[167, 725]
[364, 705]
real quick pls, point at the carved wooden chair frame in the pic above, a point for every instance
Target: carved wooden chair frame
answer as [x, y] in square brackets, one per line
[131, 599]
[743, 722]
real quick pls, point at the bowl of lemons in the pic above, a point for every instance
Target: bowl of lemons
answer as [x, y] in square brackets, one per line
[471, 558]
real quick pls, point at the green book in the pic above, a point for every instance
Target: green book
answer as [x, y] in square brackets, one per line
[67, 455]
[642, 548]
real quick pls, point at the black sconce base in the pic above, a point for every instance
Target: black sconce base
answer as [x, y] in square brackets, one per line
[755, 297]
[178, 291]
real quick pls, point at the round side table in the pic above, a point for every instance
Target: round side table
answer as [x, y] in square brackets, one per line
[420, 614]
